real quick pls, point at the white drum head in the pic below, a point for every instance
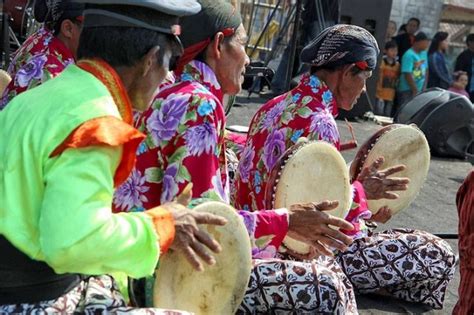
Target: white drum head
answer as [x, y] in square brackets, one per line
[315, 172]
[398, 144]
[219, 289]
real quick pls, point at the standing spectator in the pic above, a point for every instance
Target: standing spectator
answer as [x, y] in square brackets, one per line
[437, 67]
[406, 40]
[391, 31]
[402, 29]
[459, 84]
[414, 69]
[388, 79]
[465, 62]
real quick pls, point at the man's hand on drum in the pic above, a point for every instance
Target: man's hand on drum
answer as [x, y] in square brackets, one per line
[189, 239]
[310, 224]
[382, 215]
[377, 183]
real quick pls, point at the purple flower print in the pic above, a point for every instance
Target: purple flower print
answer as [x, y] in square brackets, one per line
[250, 221]
[221, 189]
[272, 116]
[323, 123]
[206, 73]
[201, 138]
[245, 164]
[33, 69]
[274, 148]
[131, 193]
[269, 251]
[163, 122]
[170, 187]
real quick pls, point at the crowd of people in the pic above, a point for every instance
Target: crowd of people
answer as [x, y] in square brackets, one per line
[114, 110]
[411, 64]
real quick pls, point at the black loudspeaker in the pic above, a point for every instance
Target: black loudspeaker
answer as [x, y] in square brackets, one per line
[447, 120]
[372, 15]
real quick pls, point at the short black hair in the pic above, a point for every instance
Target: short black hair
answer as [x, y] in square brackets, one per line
[417, 20]
[391, 44]
[124, 46]
[120, 46]
[470, 38]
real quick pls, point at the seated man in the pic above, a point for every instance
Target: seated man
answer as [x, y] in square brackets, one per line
[342, 58]
[47, 52]
[63, 147]
[185, 143]
[465, 204]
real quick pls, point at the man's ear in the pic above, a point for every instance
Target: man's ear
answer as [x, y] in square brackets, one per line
[150, 60]
[216, 45]
[67, 28]
[347, 71]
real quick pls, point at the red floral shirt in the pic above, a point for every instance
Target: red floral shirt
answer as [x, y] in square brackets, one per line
[306, 111]
[186, 144]
[41, 57]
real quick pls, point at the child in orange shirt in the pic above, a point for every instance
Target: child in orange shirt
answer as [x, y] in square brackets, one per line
[388, 79]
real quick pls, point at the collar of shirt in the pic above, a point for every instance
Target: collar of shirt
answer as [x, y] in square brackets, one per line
[311, 85]
[200, 72]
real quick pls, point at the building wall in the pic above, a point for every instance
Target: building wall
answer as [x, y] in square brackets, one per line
[428, 11]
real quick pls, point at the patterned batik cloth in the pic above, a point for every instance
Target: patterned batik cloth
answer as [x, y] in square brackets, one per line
[294, 287]
[308, 111]
[41, 57]
[94, 295]
[411, 265]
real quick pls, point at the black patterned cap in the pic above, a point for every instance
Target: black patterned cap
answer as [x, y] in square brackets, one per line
[342, 44]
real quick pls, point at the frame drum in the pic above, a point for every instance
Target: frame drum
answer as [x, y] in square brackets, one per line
[398, 144]
[311, 171]
[219, 289]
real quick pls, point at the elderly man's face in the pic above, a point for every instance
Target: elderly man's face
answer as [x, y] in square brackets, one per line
[350, 89]
[230, 68]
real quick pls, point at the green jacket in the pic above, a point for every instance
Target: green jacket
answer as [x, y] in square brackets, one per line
[58, 210]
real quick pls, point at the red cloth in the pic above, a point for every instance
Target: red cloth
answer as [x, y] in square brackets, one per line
[465, 204]
[108, 130]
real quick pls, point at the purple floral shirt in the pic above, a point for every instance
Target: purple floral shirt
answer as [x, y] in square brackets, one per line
[41, 57]
[306, 111]
[186, 143]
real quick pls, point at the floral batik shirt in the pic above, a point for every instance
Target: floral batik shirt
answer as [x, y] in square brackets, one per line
[306, 111]
[185, 143]
[41, 57]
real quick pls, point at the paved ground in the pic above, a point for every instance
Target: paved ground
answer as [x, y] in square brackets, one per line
[434, 210]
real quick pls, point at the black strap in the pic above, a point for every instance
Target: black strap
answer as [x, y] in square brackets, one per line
[25, 280]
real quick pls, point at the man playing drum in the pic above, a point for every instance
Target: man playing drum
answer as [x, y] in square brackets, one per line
[46, 53]
[64, 145]
[342, 59]
[185, 143]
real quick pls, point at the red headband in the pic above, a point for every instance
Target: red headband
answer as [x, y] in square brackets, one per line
[362, 65]
[193, 51]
